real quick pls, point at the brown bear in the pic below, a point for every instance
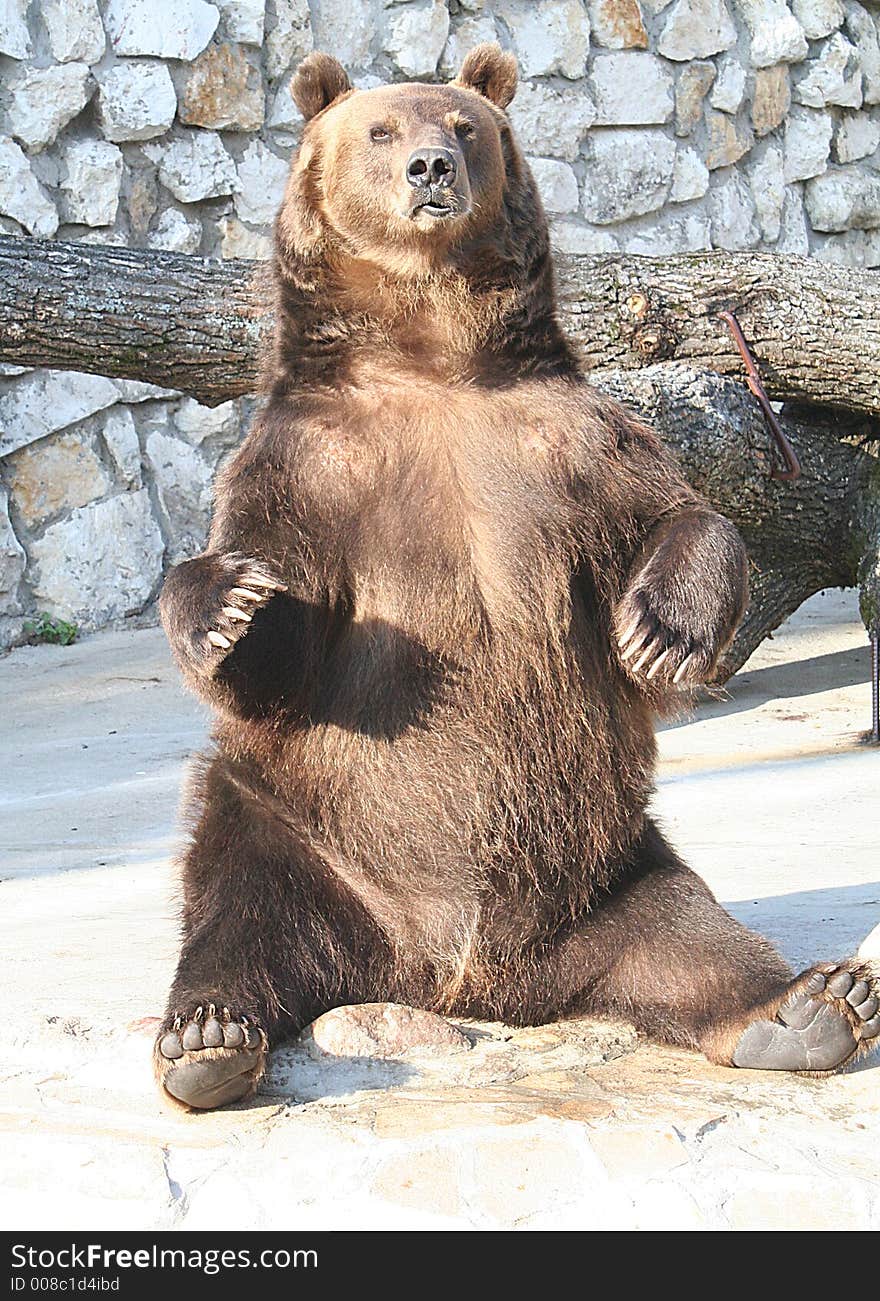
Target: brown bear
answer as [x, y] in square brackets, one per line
[447, 586]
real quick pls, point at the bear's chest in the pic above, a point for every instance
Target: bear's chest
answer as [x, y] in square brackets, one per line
[429, 468]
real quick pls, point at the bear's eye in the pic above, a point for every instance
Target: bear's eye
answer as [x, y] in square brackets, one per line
[465, 130]
[380, 133]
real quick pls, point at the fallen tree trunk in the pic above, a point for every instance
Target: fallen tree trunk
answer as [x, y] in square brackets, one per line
[187, 324]
[182, 322]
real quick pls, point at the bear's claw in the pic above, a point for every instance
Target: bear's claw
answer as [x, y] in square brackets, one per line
[209, 1059]
[250, 587]
[828, 1016]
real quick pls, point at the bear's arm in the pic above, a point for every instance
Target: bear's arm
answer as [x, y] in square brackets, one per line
[674, 571]
[242, 619]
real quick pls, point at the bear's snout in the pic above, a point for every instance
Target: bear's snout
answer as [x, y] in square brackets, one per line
[431, 167]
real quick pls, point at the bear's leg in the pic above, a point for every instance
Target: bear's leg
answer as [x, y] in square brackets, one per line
[663, 954]
[269, 943]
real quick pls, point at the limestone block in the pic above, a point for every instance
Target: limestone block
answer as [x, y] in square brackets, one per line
[101, 562]
[45, 100]
[630, 174]
[631, 89]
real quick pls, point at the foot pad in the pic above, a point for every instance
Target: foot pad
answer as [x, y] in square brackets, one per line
[819, 1026]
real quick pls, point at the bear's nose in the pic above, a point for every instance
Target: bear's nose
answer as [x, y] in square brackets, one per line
[431, 167]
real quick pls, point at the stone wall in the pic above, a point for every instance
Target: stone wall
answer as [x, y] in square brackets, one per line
[652, 126]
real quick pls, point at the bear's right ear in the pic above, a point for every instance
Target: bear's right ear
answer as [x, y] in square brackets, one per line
[319, 80]
[491, 72]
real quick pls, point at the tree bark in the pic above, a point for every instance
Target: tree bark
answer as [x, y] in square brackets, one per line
[182, 322]
[164, 318]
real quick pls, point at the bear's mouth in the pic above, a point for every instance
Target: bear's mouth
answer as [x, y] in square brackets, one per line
[438, 209]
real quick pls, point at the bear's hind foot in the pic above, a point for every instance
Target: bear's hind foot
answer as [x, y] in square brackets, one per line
[207, 1058]
[826, 1017]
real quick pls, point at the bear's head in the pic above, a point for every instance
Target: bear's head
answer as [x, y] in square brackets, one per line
[408, 176]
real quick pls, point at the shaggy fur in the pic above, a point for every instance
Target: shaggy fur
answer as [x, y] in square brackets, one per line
[432, 753]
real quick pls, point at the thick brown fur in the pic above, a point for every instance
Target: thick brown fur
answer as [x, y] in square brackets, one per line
[433, 752]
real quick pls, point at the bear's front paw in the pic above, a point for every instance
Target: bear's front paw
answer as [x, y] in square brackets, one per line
[208, 1058]
[654, 647]
[244, 588]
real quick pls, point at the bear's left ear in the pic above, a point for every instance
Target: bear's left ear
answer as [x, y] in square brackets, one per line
[318, 81]
[491, 72]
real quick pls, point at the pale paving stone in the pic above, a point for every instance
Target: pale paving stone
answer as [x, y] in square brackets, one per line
[291, 37]
[818, 17]
[776, 35]
[695, 29]
[20, 194]
[13, 559]
[195, 166]
[794, 236]
[262, 177]
[54, 475]
[857, 136]
[767, 179]
[175, 233]
[416, 35]
[101, 562]
[732, 214]
[807, 144]
[775, 1202]
[549, 36]
[618, 24]
[550, 121]
[45, 100]
[728, 140]
[463, 36]
[236, 240]
[120, 437]
[431, 1177]
[690, 177]
[44, 401]
[729, 89]
[694, 82]
[136, 101]
[92, 176]
[630, 89]
[771, 98]
[843, 200]
[170, 29]
[630, 173]
[557, 185]
[245, 20]
[223, 91]
[75, 30]
[643, 1153]
[834, 78]
[540, 1170]
[14, 38]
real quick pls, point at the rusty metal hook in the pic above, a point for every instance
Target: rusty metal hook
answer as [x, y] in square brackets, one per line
[792, 468]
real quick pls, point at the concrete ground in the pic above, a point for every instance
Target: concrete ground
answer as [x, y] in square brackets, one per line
[769, 794]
